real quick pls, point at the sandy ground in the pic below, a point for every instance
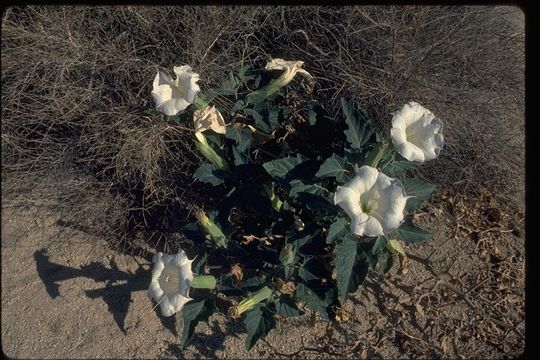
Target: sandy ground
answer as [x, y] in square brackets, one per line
[65, 294]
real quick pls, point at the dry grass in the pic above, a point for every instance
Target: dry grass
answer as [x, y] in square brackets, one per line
[76, 85]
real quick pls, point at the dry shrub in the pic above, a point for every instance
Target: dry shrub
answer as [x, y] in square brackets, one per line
[76, 85]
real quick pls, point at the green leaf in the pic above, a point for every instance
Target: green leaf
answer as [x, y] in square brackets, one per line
[419, 190]
[259, 321]
[318, 204]
[266, 118]
[385, 262]
[351, 266]
[287, 254]
[338, 229]
[288, 271]
[243, 138]
[410, 233]
[286, 169]
[306, 275]
[334, 167]
[193, 312]
[239, 105]
[286, 307]
[208, 173]
[398, 168]
[379, 245]
[358, 132]
[311, 300]
[298, 186]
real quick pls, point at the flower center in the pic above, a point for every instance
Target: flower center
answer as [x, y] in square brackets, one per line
[178, 92]
[169, 281]
[416, 133]
[369, 203]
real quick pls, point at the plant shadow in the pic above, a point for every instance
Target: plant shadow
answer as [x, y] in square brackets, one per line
[208, 344]
[119, 285]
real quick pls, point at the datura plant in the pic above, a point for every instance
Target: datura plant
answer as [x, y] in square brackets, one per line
[309, 203]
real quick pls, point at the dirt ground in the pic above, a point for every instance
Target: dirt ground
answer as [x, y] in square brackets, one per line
[67, 294]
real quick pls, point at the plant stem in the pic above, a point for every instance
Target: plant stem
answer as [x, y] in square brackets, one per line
[203, 282]
[200, 103]
[249, 302]
[276, 202]
[210, 153]
[212, 229]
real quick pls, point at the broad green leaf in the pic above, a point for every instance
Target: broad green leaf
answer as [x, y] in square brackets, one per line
[208, 173]
[239, 105]
[285, 111]
[378, 245]
[311, 300]
[286, 169]
[410, 233]
[334, 167]
[286, 307]
[337, 230]
[385, 262]
[259, 321]
[266, 117]
[306, 274]
[243, 138]
[351, 266]
[398, 168]
[254, 114]
[318, 204]
[359, 130]
[298, 186]
[193, 312]
[287, 254]
[419, 190]
[288, 271]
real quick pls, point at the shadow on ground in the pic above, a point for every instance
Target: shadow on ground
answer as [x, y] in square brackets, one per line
[119, 285]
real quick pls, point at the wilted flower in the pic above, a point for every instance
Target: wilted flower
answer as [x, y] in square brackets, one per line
[171, 279]
[374, 202]
[209, 118]
[417, 133]
[290, 67]
[172, 96]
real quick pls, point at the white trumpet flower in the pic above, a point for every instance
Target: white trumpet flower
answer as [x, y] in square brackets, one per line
[171, 279]
[209, 118]
[291, 69]
[172, 96]
[374, 202]
[416, 133]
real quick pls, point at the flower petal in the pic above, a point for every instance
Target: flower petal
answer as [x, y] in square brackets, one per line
[157, 259]
[166, 306]
[398, 135]
[173, 304]
[154, 290]
[209, 118]
[173, 106]
[187, 82]
[178, 259]
[410, 152]
[365, 225]
[364, 179]
[391, 202]
[348, 199]
[161, 94]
